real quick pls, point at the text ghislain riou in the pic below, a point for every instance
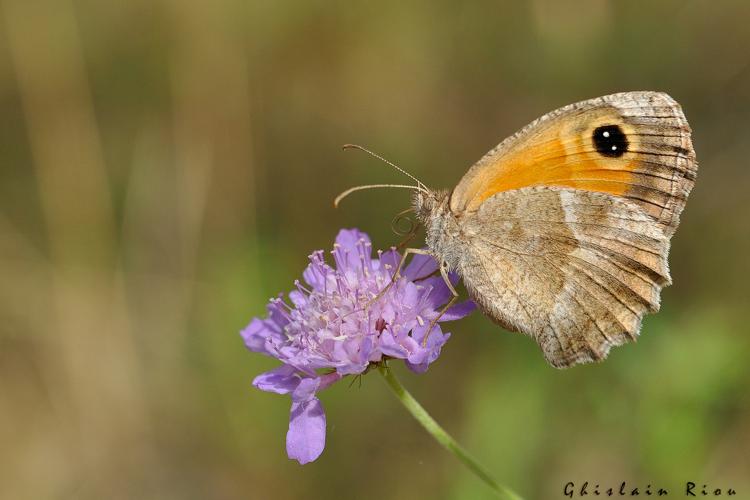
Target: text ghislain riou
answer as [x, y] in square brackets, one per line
[691, 489]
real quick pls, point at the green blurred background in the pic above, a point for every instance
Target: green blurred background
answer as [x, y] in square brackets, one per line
[166, 166]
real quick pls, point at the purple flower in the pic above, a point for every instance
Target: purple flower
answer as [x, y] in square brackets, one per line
[331, 331]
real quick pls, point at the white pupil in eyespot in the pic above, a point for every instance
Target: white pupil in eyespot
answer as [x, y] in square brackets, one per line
[610, 141]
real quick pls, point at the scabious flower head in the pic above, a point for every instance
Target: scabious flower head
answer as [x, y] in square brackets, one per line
[332, 329]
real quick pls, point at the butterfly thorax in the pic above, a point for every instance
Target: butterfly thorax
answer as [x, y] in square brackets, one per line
[441, 227]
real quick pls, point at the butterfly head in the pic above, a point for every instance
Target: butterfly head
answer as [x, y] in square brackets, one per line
[427, 204]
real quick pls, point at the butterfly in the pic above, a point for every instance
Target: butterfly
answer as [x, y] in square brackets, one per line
[562, 231]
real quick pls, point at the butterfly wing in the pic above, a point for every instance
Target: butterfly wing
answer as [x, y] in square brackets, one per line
[634, 145]
[565, 229]
[576, 270]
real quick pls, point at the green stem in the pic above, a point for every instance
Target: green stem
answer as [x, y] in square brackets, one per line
[441, 436]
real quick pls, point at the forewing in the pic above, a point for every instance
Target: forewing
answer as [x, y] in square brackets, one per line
[634, 145]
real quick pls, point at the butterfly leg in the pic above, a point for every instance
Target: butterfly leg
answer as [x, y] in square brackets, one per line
[446, 278]
[397, 274]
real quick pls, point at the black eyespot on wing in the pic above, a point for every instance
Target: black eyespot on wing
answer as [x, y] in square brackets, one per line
[610, 141]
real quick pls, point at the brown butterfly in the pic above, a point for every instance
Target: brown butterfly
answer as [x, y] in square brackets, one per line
[562, 231]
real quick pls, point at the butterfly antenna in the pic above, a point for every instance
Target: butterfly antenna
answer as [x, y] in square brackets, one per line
[374, 186]
[356, 146]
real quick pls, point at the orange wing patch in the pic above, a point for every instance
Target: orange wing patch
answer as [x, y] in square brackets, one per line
[558, 162]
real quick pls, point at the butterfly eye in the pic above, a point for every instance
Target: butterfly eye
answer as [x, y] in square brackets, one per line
[610, 141]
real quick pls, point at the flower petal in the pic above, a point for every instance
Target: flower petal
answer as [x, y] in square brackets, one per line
[390, 258]
[316, 273]
[298, 298]
[308, 386]
[420, 358]
[306, 436]
[409, 294]
[439, 293]
[460, 310]
[390, 347]
[348, 239]
[281, 380]
[357, 356]
[255, 335]
[347, 249]
[306, 389]
[420, 267]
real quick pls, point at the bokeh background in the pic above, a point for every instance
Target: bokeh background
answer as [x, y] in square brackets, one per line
[166, 166]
